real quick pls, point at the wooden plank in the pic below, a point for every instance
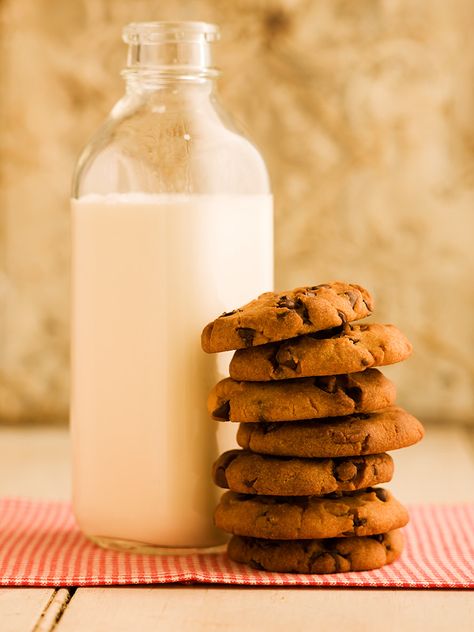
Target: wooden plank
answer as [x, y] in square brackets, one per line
[21, 608]
[35, 462]
[202, 609]
[54, 611]
[440, 469]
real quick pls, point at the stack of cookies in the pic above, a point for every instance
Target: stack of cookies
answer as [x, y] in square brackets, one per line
[316, 422]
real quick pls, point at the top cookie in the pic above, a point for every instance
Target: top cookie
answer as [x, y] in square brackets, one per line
[279, 316]
[345, 349]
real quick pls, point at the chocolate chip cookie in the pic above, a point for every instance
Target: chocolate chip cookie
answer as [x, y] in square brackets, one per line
[305, 398]
[249, 473]
[345, 349]
[278, 316]
[365, 512]
[336, 555]
[388, 429]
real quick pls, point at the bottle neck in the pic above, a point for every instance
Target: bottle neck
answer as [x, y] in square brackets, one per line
[161, 54]
[138, 81]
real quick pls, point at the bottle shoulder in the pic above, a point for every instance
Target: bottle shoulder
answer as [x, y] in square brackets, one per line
[162, 146]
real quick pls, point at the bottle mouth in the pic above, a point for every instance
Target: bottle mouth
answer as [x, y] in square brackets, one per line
[159, 32]
[173, 48]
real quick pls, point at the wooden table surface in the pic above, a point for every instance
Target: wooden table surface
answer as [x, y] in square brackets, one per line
[35, 463]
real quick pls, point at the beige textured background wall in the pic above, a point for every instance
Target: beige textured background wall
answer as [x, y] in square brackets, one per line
[363, 109]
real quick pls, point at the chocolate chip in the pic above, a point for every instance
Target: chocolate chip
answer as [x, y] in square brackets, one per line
[381, 494]
[267, 428]
[286, 302]
[302, 311]
[345, 471]
[318, 287]
[379, 537]
[250, 483]
[256, 565]
[247, 335]
[221, 465]
[328, 384]
[355, 393]
[222, 411]
[365, 361]
[225, 314]
[352, 296]
[355, 341]
[284, 357]
[291, 363]
[359, 522]
[365, 445]
[273, 359]
[220, 478]
[297, 305]
[342, 316]
[334, 332]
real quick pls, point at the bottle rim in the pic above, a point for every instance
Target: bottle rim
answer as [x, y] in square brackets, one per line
[159, 32]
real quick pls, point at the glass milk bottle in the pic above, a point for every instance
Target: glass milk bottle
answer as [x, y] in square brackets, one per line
[172, 225]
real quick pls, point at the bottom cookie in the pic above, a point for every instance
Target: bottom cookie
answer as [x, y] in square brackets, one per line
[334, 555]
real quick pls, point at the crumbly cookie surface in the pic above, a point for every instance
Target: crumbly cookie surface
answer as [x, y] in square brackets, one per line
[346, 349]
[249, 473]
[278, 316]
[338, 555]
[372, 433]
[366, 512]
[305, 398]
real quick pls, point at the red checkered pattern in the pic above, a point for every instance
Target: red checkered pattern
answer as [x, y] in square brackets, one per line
[40, 545]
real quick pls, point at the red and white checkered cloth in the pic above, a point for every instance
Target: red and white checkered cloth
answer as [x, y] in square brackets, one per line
[40, 545]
